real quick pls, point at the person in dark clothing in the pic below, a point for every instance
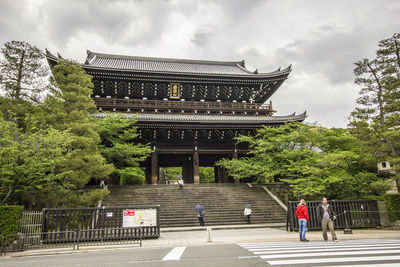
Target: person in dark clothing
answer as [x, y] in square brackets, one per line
[326, 215]
[201, 217]
[302, 216]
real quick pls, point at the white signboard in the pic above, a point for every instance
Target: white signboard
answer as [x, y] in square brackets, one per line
[139, 217]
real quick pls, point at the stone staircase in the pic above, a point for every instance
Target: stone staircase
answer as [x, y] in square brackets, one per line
[223, 203]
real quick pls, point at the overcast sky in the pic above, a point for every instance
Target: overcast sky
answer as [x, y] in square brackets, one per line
[321, 39]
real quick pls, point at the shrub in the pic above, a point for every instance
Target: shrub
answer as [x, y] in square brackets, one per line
[9, 219]
[91, 198]
[393, 206]
[131, 175]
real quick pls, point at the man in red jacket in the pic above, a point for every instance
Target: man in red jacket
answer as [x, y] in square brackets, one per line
[302, 216]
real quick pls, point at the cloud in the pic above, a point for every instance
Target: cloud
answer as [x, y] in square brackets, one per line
[322, 39]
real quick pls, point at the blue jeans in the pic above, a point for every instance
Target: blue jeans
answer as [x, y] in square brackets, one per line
[302, 228]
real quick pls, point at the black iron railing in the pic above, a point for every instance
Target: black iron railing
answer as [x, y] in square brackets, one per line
[101, 218]
[349, 214]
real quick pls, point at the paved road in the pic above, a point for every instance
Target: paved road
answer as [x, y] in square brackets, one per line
[368, 252]
[206, 255]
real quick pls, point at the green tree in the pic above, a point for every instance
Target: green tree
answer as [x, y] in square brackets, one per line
[32, 166]
[376, 121]
[70, 109]
[315, 161]
[23, 72]
[118, 134]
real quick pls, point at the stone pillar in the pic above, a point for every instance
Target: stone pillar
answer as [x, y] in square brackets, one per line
[235, 156]
[196, 175]
[154, 166]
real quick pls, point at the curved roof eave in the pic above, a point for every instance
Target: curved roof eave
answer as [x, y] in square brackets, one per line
[274, 74]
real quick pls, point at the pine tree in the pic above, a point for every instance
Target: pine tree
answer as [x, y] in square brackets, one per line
[376, 121]
[74, 110]
[23, 71]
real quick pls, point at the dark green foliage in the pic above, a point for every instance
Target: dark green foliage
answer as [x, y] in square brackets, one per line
[9, 219]
[393, 206]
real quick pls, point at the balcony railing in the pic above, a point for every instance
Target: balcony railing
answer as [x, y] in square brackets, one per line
[174, 106]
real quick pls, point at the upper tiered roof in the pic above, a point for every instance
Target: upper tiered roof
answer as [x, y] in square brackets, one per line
[96, 60]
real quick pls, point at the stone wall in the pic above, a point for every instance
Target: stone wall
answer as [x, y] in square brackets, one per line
[281, 190]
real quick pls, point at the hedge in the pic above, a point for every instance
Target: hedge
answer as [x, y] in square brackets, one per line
[9, 219]
[393, 207]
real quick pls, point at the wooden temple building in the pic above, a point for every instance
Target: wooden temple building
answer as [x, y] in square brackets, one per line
[190, 111]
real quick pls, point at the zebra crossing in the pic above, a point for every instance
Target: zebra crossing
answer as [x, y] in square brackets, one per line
[367, 252]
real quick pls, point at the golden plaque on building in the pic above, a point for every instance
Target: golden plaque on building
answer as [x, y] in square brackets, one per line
[175, 91]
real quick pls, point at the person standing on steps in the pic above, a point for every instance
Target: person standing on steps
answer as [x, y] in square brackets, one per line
[302, 216]
[247, 212]
[326, 215]
[180, 182]
[200, 214]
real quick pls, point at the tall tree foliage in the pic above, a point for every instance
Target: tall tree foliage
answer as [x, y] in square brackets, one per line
[376, 121]
[72, 111]
[315, 161]
[32, 165]
[117, 135]
[22, 71]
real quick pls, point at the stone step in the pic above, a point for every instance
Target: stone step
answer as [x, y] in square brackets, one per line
[224, 203]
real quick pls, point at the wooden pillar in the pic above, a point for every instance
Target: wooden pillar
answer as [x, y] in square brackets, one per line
[235, 156]
[154, 166]
[216, 174]
[187, 170]
[196, 176]
[148, 174]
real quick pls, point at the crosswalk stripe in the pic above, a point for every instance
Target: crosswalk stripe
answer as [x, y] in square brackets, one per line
[320, 247]
[358, 241]
[325, 254]
[333, 260]
[369, 265]
[370, 252]
[311, 244]
[174, 254]
[372, 248]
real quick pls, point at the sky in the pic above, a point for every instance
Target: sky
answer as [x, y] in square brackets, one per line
[320, 38]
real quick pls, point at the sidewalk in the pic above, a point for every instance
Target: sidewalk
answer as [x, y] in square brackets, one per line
[231, 234]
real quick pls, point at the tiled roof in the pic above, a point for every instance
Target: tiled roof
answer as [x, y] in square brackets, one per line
[201, 118]
[119, 62]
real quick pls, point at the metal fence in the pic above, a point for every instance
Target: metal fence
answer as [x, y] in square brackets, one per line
[349, 214]
[71, 239]
[100, 218]
[31, 222]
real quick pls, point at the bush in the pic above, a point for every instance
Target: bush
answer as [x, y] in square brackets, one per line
[380, 186]
[9, 219]
[91, 198]
[131, 175]
[393, 207]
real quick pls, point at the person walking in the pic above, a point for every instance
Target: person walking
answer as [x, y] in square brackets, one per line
[302, 216]
[200, 214]
[247, 212]
[326, 215]
[180, 182]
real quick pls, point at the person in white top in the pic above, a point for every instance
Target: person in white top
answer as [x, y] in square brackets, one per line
[247, 212]
[180, 182]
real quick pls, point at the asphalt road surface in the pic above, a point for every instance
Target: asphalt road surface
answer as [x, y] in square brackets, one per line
[371, 252]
